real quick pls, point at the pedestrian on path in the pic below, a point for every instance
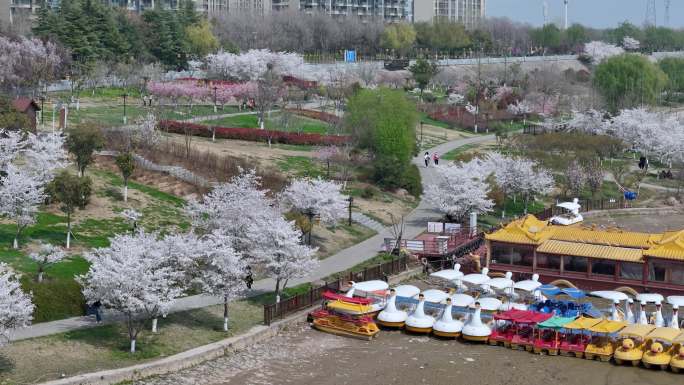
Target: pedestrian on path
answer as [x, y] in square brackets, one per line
[427, 159]
[94, 309]
[435, 158]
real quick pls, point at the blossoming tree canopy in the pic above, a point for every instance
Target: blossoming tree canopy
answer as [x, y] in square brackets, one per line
[135, 277]
[460, 189]
[16, 308]
[251, 65]
[321, 197]
[598, 51]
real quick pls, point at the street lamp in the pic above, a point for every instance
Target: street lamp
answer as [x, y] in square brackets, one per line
[215, 88]
[124, 108]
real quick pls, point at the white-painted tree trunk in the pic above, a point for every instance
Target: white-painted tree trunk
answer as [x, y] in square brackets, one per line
[225, 324]
[154, 325]
[40, 277]
[68, 243]
[213, 135]
[15, 244]
[125, 192]
[78, 104]
[133, 346]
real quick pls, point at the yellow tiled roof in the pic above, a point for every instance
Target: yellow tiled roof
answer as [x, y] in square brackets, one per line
[670, 246]
[598, 243]
[528, 230]
[589, 250]
[612, 237]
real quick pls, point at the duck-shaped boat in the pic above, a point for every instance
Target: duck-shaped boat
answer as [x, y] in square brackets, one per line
[418, 321]
[390, 316]
[447, 326]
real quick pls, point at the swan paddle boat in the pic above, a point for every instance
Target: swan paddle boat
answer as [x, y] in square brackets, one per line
[676, 301]
[474, 330]
[450, 275]
[631, 344]
[390, 316]
[660, 348]
[602, 345]
[476, 279]
[677, 362]
[435, 296]
[504, 284]
[418, 321]
[447, 326]
[407, 291]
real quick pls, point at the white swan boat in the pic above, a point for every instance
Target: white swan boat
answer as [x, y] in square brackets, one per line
[447, 326]
[390, 316]
[474, 329]
[418, 321]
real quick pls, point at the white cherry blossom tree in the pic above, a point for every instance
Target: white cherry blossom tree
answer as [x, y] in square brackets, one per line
[598, 51]
[46, 256]
[20, 196]
[252, 64]
[461, 189]
[16, 308]
[590, 121]
[630, 44]
[318, 196]
[282, 256]
[222, 271]
[135, 277]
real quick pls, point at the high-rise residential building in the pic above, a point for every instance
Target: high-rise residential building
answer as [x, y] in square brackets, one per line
[11, 10]
[467, 12]
[388, 10]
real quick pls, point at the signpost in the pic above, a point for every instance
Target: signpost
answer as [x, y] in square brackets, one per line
[350, 56]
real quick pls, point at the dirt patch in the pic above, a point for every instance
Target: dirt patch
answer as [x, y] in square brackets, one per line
[307, 357]
[642, 223]
[160, 181]
[252, 151]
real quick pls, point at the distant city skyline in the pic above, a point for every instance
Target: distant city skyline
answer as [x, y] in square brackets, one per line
[592, 13]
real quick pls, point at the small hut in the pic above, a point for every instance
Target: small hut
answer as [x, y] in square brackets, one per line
[30, 108]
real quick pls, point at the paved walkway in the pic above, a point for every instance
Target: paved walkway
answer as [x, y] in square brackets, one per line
[414, 223]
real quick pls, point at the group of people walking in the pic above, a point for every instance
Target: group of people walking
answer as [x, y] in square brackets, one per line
[435, 159]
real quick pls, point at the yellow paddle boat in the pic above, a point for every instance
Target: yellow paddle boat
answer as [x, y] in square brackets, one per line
[677, 362]
[602, 344]
[345, 325]
[660, 347]
[631, 344]
[576, 340]
[341, 306]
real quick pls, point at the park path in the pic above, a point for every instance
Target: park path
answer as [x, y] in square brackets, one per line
[414, 223]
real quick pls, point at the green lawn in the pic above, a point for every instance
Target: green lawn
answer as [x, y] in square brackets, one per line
[59, 296]
[295, 123]
[301, 166]
[106, 347]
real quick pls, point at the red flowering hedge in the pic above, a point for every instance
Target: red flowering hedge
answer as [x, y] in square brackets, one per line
[318, 115]
[252, 134]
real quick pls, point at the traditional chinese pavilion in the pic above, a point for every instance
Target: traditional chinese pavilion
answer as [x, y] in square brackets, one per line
[590, 258]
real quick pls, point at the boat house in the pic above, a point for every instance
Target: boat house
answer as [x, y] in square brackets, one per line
[589, 258]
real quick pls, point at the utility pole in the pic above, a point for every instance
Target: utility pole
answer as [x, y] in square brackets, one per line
[565, 2]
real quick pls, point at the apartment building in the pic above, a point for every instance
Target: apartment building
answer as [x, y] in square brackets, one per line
[389, 10]
[467, 12]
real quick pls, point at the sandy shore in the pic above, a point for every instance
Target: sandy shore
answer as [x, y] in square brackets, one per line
[308, 357]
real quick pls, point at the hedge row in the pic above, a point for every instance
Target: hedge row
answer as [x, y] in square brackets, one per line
[252, 134]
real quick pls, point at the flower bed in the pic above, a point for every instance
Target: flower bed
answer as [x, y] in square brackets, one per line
[318, 115]
[252, 134]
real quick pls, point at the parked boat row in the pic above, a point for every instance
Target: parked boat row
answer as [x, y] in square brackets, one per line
[521, 315]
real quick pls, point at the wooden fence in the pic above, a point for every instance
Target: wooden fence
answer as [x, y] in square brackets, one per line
[313, 296]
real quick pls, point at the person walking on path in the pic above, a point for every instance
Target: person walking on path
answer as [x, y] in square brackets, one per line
[94, 309]
[435, 158]
[427, 159]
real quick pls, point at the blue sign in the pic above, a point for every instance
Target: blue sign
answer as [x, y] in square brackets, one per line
[350, 56]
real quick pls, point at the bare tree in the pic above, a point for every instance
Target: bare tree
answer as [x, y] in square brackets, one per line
[270, 89]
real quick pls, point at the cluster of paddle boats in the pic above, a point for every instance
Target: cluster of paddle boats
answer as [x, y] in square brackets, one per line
[520, 315]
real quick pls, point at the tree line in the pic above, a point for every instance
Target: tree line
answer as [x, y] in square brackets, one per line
[92, 32]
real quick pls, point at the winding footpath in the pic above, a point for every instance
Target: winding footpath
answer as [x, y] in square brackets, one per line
[414, 223]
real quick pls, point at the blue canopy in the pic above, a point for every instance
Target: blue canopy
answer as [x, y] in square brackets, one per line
[549, 289]
[574, 293]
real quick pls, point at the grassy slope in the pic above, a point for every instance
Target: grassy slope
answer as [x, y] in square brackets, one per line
[296, 124]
